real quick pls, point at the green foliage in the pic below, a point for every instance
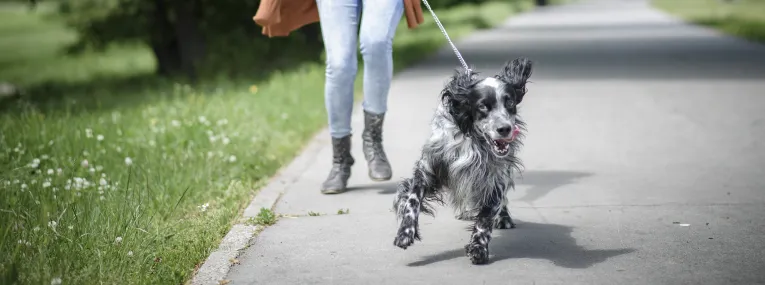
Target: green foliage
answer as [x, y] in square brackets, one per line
[743, 18]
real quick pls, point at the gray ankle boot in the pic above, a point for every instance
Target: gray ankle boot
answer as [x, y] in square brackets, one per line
[377, 161]
[341, 166]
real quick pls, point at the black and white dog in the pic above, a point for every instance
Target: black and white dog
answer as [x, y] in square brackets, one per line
[470, 155]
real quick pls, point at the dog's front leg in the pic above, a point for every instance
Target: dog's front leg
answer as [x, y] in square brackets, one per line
[408, 205]
[503, 220]
[478, 248]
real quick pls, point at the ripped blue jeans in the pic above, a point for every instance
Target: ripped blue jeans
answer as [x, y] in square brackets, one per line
[340, 21]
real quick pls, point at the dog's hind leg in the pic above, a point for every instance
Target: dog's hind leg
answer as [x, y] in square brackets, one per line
[409, 203]
[503, 220]
[478, 248]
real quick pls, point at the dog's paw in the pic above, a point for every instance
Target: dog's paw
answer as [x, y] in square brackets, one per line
[405, 238]
[478, 254]
[503, 223]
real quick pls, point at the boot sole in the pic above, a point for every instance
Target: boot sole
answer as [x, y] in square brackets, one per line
[332, 191]
[379, 179]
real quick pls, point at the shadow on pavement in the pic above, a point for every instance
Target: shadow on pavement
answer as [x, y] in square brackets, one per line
[536, 241]
[543, 182]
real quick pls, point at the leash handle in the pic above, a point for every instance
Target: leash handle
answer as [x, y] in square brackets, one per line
[454, 48]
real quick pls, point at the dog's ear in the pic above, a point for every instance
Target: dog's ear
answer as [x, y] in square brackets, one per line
[455, 98]
[516, 73]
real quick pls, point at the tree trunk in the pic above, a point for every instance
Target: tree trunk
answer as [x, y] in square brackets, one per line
[163, 42]
[190, 40]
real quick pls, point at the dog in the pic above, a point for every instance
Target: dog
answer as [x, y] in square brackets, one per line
[470, 155]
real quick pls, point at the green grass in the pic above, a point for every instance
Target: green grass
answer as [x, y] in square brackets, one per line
[743, 18]
[110, 175]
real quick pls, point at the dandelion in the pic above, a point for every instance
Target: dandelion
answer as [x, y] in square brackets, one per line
[130, 253]
[50, 171]
[35, 163]
[204, 206]
[128, 161]
[88, 133]
[232, 159]
[52, 224]
[46, 184]
[118, 240]
[84, 163]
[55, 281]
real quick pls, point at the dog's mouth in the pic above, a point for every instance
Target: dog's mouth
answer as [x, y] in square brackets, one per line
[501, 147]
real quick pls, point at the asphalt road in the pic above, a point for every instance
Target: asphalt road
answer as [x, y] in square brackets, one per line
[645, 164]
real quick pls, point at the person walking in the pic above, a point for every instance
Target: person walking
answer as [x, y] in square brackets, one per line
[369, 25]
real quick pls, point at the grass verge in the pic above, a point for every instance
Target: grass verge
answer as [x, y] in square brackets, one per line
[112, 176]
[742, 18]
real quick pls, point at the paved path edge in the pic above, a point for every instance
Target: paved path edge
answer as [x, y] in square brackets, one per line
[217, 265]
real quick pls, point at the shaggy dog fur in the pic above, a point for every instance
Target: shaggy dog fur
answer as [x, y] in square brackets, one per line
[470, 155]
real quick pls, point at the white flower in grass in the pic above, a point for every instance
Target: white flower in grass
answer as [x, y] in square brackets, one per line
[130, 253]
[50, 171]
[118, 240]
[59, 171]
[175, 123]
[100, 137]
[55, 189]
[16, 181]
[44, 157]
[99, 168]
[225, 141]
[128, 161]
[23, 186]
[213, 139]
[36, 229]
[84, 163]
[152, 143]
[102, 198]
[85, 153]
[102, 182]
[46, 184]
[35, 163]
[92, 170]
[204, 206]
[55, 281]
[70, 227]
[210, 154]
[118, 149]
[285, 116]
[232, 159]
[52, 224]
[33, 182]
[222, 122]
[88, 133]
[50, 143]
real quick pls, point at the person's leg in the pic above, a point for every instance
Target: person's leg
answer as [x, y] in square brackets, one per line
[380, 18]
[339, 21]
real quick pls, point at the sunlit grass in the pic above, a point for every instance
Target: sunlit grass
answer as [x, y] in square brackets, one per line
[743, 18]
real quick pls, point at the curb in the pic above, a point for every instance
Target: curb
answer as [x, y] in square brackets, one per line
[217, 265]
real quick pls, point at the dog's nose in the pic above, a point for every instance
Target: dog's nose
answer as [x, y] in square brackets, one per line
[505, 130]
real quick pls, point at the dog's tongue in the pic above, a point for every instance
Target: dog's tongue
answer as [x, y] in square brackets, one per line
[516, 131]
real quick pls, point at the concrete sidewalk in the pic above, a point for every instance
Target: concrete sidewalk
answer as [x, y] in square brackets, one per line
[638, 125]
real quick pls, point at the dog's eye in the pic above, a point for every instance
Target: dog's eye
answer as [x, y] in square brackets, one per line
[483, 108]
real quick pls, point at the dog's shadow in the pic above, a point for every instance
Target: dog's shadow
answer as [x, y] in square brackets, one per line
[537, 241]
